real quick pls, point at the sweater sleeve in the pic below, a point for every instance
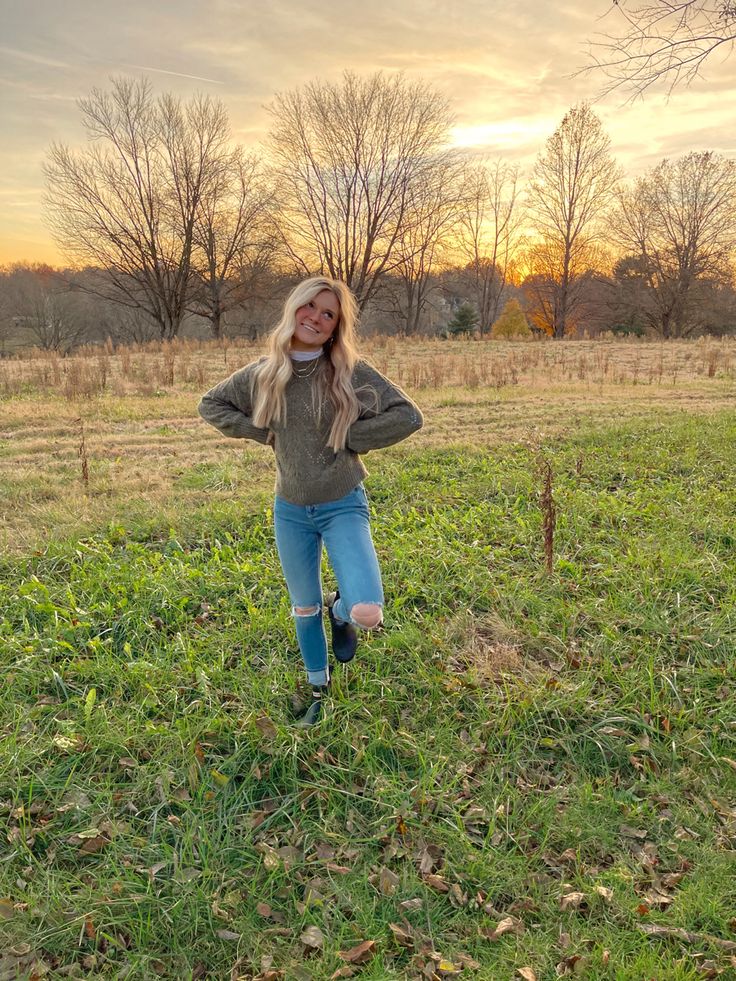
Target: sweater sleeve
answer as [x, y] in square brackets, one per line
[228, 407]
[387, 415]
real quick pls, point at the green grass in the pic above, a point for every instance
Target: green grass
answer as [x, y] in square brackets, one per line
[148, 672]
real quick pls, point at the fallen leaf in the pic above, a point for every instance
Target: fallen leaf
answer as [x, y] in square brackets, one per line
[572, 900]
[447, 967]
[574, 964]
[657, 899]
[709, 969]
[401, 936]
[68, 744]
[127, 763]
[527, 973]
[263, 909]
[343, 972]
[227, 935]
[509, 924]
[289, 855]
[89, 833]
[313, 937]
[299, 973]
[388, 881]
[359, 954]
[467, 961]
[266, 727]
[93, 845]
[437, 882]
[630, 832]
[337, 869]
[605, 892]
[7, 909]
[457, 897]
[412, 904]
[475, 815]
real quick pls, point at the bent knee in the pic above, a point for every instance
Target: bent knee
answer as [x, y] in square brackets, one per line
[305, 611]
[367, 615]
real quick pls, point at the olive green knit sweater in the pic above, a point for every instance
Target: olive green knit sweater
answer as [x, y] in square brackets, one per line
[308, 471]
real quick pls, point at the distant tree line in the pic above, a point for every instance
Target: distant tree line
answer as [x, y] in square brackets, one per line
[169, 227]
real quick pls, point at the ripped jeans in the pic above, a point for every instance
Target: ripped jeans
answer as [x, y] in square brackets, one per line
[344, 527]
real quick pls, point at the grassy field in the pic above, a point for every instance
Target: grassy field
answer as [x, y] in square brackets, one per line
[527, 774]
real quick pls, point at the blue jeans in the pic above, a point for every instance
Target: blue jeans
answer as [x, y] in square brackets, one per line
[344, 527]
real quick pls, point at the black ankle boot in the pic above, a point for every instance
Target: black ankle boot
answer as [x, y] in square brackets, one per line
[315, 710]
[344, 635]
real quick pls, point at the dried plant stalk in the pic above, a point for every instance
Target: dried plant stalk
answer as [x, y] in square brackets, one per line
[82, 454]
[549, 513]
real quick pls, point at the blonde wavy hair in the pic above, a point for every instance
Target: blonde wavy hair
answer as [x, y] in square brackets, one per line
[334, 376]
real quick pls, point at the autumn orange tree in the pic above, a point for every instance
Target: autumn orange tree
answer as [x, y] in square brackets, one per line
[511, 324]
[571, 188]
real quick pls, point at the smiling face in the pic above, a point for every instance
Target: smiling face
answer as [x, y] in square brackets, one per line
[316, 322]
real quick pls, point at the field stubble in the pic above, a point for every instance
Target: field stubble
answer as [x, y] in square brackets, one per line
[146, 448]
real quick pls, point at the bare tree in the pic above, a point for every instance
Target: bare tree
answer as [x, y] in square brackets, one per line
[663, 40]
[423, 244]
[348, 158]
[488, 235]
[127, 204]
[678, 222]
[234, 240]
[572, 186]
[42, 305]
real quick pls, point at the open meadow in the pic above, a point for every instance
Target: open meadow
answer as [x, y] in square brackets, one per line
[529, 773]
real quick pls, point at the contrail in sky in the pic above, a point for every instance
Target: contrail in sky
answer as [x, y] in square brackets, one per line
[163, 71]
[36, 59]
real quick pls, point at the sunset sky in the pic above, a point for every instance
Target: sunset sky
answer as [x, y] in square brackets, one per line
[506, 71]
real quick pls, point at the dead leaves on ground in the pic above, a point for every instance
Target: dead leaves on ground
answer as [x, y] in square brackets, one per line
[509, 924]
[312, 938]
[360, 954]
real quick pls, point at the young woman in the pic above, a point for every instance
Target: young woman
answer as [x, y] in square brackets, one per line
[319, 407]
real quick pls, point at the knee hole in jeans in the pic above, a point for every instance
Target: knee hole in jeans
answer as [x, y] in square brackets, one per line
[367, 615]
[306, 611]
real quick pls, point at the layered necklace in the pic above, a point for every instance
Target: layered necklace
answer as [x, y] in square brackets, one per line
[305, 367]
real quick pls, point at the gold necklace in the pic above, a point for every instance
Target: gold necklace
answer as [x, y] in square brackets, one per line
[313, 365]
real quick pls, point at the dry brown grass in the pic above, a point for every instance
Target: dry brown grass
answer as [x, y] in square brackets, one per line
[485, 650]
[145, 370]
[148, 451]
